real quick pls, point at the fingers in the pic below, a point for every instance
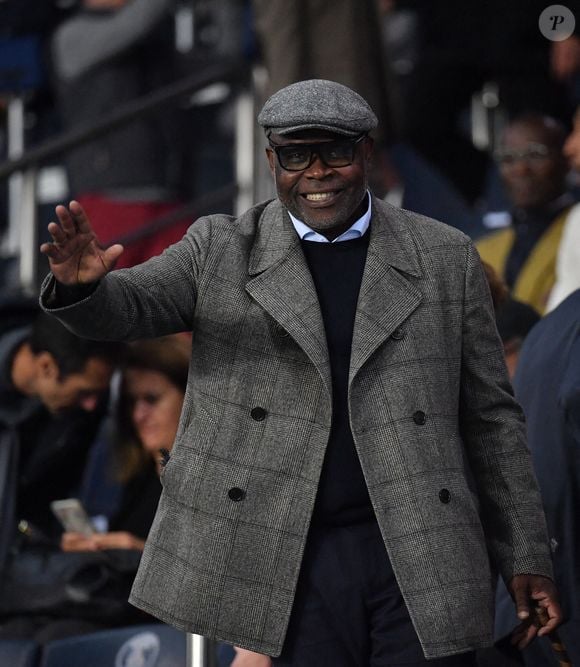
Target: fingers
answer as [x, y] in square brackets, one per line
[73, 220]
[59, 238]
[536, 601]
[523, 635]
[117, 540]
[80, 217]
[50, 250]
[548, 608]
[76, 542]
[58, 235]
[67, 223]
[550, 617]
[520, 592]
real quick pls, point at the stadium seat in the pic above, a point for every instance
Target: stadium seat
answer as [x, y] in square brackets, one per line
[19, 653]
[153, 645]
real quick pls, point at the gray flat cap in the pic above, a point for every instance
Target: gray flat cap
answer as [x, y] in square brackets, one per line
[317, 104]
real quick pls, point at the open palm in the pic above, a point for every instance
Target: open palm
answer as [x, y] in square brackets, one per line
[74, 254]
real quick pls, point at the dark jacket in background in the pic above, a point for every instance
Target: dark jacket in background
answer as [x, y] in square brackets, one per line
[547, 385]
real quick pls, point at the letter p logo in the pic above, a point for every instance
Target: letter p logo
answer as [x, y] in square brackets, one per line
[557, 23]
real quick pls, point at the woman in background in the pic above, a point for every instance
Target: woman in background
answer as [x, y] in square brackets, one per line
[149, 406]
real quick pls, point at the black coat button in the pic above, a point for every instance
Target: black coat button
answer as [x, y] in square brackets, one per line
[236, 494]
[258, 414]
[398, 334]
[419, 418]
[444, 496]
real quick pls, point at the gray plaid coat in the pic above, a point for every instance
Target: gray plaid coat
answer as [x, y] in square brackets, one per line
[428, 399]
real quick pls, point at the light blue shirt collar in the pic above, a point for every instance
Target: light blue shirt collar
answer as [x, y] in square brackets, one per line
[357, 230]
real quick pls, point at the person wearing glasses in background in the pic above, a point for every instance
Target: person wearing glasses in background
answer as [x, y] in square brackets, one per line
[533, 170]
[346, 371]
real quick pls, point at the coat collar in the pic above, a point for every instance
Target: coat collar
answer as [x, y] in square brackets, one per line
[281, 283]
[388, 293]
[283, 286]
[390, 238]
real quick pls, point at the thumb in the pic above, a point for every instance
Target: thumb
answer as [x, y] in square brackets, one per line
[521, 600]
[111, 256]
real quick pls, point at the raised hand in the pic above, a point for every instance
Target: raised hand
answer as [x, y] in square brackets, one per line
[74, 254]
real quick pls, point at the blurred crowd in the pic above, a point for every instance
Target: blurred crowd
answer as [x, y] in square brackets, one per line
[480, 127]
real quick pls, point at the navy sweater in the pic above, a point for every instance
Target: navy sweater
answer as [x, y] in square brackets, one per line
[337, 270]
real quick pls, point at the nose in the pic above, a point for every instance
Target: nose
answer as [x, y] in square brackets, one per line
[140, 411]
[317, 169]
[519, 167]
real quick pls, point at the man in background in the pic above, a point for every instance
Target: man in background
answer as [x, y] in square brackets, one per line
[51, 388]
[533, 170]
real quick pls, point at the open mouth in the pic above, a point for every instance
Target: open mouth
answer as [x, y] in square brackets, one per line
[320, 197]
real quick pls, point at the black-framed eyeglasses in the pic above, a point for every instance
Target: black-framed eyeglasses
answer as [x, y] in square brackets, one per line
[533, 153]
[297, 157]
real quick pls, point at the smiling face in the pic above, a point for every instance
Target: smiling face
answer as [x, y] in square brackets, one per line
[327, 199]
[155, 408]
[535, 175]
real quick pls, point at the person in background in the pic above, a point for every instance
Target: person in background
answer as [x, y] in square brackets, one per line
[547, 383]
[533, 171]
[51, 389]
[107, 54]
[150, 401]
[52, 386]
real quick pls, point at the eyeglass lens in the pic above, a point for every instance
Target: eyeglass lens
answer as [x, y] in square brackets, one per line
[531, 153]
[297, 157]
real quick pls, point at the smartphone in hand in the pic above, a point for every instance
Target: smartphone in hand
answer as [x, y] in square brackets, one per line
[72, 516]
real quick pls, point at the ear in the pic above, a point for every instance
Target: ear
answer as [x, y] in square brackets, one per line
[369, 144]
[46, 366]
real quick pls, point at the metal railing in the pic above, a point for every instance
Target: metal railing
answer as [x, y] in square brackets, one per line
[21, 170]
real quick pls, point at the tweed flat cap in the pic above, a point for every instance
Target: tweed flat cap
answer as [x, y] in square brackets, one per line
[317, 104]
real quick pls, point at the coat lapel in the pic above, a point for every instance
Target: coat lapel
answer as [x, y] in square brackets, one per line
[283, 286]
[387, 297]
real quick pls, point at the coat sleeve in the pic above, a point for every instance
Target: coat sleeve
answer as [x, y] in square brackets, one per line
[493, 431]
[153, 299]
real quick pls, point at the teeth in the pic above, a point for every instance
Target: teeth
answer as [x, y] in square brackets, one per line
[319, 196]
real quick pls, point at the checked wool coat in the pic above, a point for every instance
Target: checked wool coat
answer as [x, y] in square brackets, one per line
[437, 430]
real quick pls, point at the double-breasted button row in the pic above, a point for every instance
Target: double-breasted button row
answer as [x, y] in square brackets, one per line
[280, 331]
[419, 417]
[258, 414]
[398, 334]
[236, 494]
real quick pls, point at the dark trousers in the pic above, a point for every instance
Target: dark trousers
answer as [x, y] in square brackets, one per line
[349, 611]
